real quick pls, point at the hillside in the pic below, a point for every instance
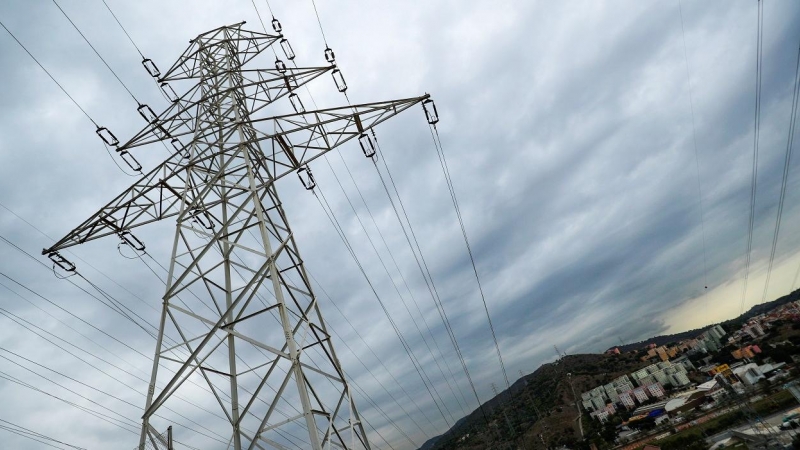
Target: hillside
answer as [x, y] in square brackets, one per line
[540, 403]
[541, 407]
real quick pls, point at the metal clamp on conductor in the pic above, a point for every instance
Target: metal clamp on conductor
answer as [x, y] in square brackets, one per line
[58, 260]
[202, 217]
[151, 68]
[306, 177]
[130, 160]
[430, 111]
[131, 241]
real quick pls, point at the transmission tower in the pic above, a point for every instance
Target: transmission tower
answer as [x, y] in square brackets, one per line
[240, 327]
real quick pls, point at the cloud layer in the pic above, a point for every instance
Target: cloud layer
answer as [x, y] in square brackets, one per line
[568, 133]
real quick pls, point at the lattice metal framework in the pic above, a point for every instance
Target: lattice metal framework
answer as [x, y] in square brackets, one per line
[240, 328]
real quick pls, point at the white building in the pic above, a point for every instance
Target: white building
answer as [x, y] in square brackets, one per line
[753, 329]
[627, 399]
[656, 390]
[679, 379]
[641, 394]
[749, 373]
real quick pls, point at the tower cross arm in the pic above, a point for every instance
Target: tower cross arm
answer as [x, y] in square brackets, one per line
[301, 138]
[168, 190]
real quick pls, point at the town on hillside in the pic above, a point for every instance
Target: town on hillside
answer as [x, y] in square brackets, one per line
[678, 400]
[729, 385]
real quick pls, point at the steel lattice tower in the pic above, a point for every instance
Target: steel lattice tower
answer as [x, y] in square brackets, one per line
[240, 328]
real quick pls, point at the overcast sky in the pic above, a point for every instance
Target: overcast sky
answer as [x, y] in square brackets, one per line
[568, 132]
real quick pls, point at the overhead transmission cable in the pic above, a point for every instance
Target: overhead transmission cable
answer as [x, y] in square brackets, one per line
[446, 171]
[696, 153]
[429, 278]
[784, 180]
[388, 249]
[756, 133]
[369, 347]
[316, 12]
[328, 51]
[60, 86]
[438, 304]
[96, 52]
[29, 327]
[35, 436]
[383, 264]
[340, 231]
[124, 30]
[111, 364]
[335, 222]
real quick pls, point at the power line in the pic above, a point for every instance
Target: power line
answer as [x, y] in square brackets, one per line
[696, 154]
[443, 316]
[342, 235]
[756, 132]
[443, 161]
[65, 93]
[49, 74]
[429, 279]
[406, 347]
[383, 264]
[369, 347]
[123, 29]
[96, 52]
[786, 165]
[33, 435]
[313, 3]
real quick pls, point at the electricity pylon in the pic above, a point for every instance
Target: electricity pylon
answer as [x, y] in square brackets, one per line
[240, 326]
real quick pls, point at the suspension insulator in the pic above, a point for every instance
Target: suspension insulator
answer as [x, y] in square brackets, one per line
[147, 113]
[107, 136]
[430, 111]
[297, 104]
[178, 146]
[329, 56]
[338, 78]
[306, 177]
[291, 82]
[169, 92]
[151, 67]
[367, 145]
[63, 263]
[280, 66]
[287, 49]
[203, 218]
[276, 25]
[131, 241]
[130, 161]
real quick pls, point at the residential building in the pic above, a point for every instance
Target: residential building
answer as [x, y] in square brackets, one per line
[746, 352]
[602, 416]
[661, 377]
[611, 392]
[749, 373]
[754, 329]
[627, 399]
[640, 394]
[656, 390]
[679, 379]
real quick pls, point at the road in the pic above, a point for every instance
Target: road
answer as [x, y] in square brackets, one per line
[769, 424]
